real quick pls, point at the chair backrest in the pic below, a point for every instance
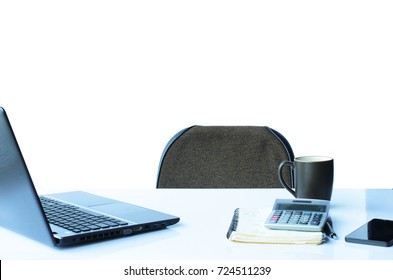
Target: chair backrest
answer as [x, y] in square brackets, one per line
[224, 157]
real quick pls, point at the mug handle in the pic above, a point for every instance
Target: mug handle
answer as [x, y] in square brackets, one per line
[281, 178]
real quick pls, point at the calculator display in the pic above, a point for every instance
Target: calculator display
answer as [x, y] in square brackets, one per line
[302, 207]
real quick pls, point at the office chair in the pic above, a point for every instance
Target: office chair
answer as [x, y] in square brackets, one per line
[224, 157]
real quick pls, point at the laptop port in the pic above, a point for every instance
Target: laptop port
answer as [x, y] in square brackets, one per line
[138, 228]
[127, 231]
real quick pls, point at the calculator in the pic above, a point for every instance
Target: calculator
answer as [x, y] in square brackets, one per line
[298, 214]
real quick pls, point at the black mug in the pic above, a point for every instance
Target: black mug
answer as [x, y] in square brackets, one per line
[313, 177]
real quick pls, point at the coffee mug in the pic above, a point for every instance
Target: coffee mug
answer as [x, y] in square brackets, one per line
[313, 177]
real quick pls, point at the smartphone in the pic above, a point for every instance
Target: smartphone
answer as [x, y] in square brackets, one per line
[376, 232]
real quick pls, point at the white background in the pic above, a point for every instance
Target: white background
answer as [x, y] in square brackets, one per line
[95, 89]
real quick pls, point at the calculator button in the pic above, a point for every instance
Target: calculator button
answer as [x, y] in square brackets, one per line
[316, 220]
[305, 219]
[283, 220]
[293, 220]
[275, 217]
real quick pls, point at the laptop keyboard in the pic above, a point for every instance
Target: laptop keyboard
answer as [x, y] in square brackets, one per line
[75, 219]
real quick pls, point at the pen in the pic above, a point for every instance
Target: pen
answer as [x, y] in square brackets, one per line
[328, 229]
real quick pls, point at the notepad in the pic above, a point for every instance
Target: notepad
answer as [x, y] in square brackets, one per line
[247, 226]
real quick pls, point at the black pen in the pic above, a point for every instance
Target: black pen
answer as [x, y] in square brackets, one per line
[328, 229]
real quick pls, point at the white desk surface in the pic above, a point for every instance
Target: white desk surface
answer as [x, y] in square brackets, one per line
[205, 218]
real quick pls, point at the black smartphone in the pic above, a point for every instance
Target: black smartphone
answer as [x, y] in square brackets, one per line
[376, 232]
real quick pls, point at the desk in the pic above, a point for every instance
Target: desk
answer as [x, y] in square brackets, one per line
[205, 217]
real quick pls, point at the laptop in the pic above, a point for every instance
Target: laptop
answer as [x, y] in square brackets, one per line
[63, 219]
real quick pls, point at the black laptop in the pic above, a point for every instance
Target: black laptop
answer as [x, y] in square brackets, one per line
[63, 219]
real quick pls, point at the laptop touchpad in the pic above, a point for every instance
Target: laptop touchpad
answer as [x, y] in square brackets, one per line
[121, 210]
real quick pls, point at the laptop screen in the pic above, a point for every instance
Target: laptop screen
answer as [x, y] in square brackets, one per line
[20, 209]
